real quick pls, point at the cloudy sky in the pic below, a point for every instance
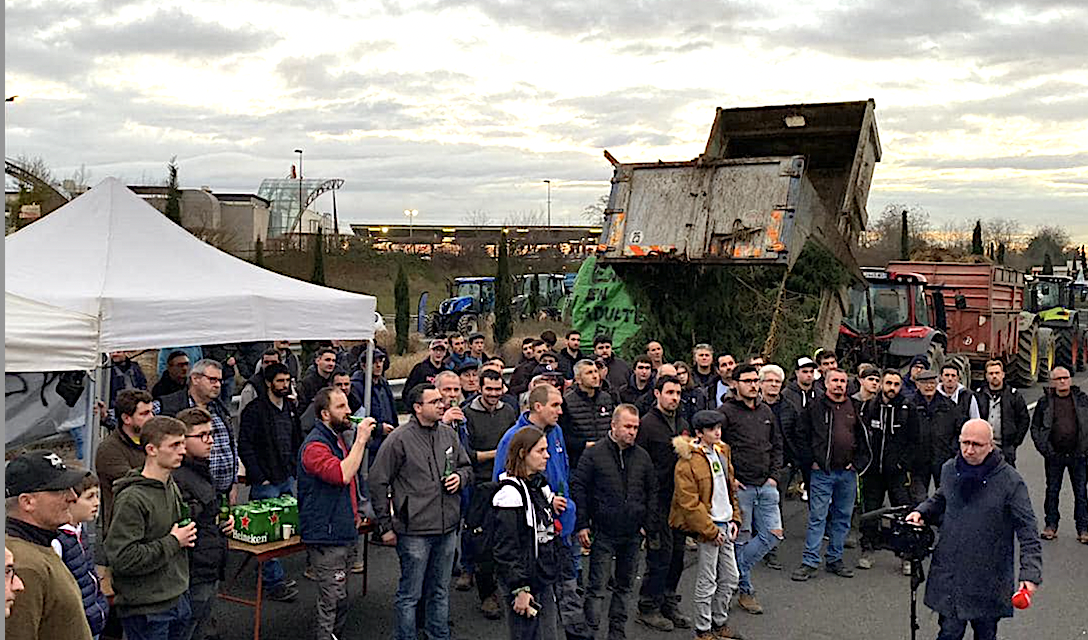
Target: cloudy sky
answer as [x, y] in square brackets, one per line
[451, 106]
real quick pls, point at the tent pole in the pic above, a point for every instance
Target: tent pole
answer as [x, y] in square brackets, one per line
[368, 387]
[94, 425]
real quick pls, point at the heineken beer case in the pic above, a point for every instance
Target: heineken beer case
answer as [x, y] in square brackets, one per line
[262, 521]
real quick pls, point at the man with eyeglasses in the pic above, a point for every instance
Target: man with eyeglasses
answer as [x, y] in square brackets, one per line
[750, 430]
[38, 490]
[984, 503]
[205, 384]
[269, 437]
[1059, 429]
[13, 584]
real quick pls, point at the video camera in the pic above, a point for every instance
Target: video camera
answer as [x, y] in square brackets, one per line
[908, 541]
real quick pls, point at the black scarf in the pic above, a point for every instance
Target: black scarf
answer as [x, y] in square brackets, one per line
[973, 477]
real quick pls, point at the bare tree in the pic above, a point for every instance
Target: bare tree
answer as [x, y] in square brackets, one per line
[594, 213]
[526, 218]
[881, 241]
[1003, 230]
[477, 218]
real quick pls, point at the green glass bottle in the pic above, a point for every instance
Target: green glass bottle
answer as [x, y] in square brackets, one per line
[224, 511]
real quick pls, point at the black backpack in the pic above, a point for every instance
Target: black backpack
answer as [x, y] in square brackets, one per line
[480, 517]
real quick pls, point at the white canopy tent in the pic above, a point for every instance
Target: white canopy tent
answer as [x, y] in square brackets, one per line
[39, 337]
[151, 284]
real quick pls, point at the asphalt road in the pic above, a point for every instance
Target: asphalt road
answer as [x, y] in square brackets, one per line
[874, 604]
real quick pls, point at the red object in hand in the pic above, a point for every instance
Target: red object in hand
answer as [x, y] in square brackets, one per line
[1022, 598]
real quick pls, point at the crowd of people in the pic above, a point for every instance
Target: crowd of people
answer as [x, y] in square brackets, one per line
[541, 493]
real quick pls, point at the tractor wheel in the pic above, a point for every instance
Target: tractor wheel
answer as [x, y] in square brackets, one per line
[430, 325]
[1047, 353]
[468, 324]
[1066, 348]
[1025, 364]
[963, 365]
[935, 354]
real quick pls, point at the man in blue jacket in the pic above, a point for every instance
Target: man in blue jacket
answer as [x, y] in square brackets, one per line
[545, 407]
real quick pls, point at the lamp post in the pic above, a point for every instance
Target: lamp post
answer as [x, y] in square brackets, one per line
[411, 214]
[300, 206]
[549, 183]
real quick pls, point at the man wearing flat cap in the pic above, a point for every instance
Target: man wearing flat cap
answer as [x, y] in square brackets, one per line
[39, 489]
[938, 435]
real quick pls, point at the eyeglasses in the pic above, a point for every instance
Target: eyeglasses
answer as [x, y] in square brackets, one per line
[749, 380]
[1059, 378]
[971, 443]
[206, 436]
[211, 379]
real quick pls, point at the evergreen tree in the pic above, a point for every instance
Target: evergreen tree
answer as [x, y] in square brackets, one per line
[904, 238]
[1001, 253]
[400, 297]
[318, 275]
[504, 326]
[173, 193]
[976, 239]
[258, 253]
[1048, 265]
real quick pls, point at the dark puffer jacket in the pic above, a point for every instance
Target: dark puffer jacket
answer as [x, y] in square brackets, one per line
[655, 436]
[208, 557]
[893, 433]
[755, 440]
[80, 562]
[615, 490]
[585, 419]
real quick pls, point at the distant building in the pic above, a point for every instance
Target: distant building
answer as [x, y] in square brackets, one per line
[231, 221]
[458, 239]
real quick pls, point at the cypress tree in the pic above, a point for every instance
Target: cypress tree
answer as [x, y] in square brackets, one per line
[976, 239]
[173, 193]
[504, 326]
[904, 238]
[258, 253]
[1001, 253]
[318, 275]
[1048, 265]
[400, 296]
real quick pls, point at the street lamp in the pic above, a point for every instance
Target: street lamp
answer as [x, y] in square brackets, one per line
[549, 183]
[411, 214]
[300, 207]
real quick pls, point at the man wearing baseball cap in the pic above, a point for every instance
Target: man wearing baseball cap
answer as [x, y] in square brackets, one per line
[39, 489]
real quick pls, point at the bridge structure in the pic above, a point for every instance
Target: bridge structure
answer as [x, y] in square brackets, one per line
[55, 198]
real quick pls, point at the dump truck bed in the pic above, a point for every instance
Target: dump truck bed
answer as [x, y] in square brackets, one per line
[770, 178]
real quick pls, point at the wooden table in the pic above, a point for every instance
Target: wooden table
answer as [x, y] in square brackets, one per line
[262, 553]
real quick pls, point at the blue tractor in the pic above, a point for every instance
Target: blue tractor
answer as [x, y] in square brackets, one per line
[471, 302]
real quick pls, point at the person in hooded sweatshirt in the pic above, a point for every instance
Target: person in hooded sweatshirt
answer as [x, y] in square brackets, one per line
[208, 558]
[147, 538]
[961, 396]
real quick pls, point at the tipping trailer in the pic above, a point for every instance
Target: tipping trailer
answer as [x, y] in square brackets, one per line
[769, 179]
[986, 319]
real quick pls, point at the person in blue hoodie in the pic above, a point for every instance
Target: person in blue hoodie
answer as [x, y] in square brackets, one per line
[545, 407]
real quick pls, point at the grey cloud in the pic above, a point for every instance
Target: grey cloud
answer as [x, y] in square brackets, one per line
[657, 48]
[171, 32]
[1025, 162]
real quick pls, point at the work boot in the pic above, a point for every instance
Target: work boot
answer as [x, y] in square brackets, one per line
[463, 581]
[865, 561]
[803, 573]
[771, 560]
[725, 633]
[748, 602]
[654, 620]
[491, 608]
[1049, 533]
[840, 569]
[679, 620]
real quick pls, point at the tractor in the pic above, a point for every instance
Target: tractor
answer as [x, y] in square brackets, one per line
[1051, 297]
[471, 301]
[550, 293]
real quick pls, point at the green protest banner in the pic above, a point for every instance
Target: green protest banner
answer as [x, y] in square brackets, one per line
[600, 304]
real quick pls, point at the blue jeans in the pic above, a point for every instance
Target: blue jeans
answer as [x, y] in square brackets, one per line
[759, 516]
[272, 575]
[831, 496]
[77, 439]
[426, 564]
[172, 624]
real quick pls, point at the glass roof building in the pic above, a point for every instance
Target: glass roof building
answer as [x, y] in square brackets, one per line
[283, 193]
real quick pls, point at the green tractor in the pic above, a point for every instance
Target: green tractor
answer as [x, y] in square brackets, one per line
[1051, 298]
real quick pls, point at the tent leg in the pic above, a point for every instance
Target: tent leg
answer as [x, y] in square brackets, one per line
[369, 386]
[94, 425]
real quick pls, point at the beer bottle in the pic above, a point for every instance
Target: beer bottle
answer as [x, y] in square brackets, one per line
[224, 511]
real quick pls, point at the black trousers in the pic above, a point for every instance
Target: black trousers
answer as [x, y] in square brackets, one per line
[875, 486]
[664, 566]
